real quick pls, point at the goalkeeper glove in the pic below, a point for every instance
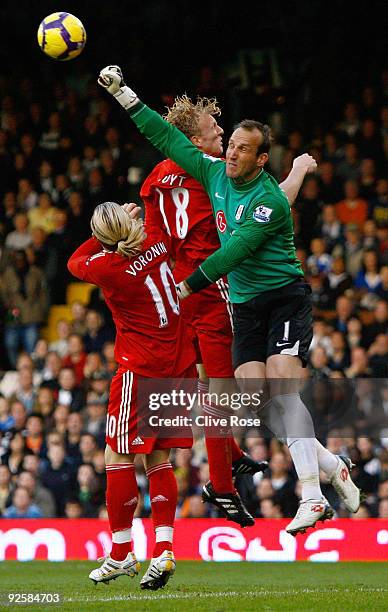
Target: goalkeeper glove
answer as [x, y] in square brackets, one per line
[111, 78]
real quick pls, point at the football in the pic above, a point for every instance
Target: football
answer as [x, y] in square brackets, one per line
[61, 36]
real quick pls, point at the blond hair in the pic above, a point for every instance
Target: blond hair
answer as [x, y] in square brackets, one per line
[114, 228]
[185, 114]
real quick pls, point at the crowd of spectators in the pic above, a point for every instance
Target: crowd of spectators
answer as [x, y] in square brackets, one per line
[62, 155]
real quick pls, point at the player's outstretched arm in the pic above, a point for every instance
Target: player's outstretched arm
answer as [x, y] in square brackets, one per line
[163, 135]
[302, 165]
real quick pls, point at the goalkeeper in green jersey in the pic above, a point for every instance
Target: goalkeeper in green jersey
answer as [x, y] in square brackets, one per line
[271, 301]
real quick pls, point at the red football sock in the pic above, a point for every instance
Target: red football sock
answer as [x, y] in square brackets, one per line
[121, 502]
[163, 496]
[237, 453]
[219, 451]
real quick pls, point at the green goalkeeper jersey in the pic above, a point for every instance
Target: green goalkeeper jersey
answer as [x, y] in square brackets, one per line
[253, 219]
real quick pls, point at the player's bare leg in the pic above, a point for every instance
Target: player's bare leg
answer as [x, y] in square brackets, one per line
[163, 495]
[121, 499]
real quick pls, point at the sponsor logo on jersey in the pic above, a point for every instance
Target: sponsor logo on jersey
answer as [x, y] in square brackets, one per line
[220, 197]
[239, 212]
[262, 214]
[221, 221]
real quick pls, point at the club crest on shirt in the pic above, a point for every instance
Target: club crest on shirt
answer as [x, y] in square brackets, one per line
[221, 221]
[262, 214]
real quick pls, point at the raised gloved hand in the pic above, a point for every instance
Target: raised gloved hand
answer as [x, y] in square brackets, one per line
[111, 78]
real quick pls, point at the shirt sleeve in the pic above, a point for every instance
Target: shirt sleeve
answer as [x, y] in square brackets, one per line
[78, 263]
[175, 145]
[262, 222]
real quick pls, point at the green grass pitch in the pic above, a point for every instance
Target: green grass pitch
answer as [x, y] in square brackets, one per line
[206, 586]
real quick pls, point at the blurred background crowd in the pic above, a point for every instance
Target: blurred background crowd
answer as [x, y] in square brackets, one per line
[64, 148]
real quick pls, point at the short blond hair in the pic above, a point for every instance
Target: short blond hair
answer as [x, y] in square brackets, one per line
[114, 228]
[185, 114]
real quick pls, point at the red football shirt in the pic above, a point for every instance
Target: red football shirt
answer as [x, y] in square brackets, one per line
[141, 295]
[176, 201]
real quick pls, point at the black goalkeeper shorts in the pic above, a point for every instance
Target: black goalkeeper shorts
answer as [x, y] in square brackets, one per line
[276, 322]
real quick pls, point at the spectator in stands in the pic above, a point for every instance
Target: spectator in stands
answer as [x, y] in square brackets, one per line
[368, 280]
[338, 353]
[349, 168]
[58, 476]
[93, 364]
[73, 509]
[99, 382]
[5, 487]
[282, 483]
[308, 206]
[74, 429]
[319, 260]
[96, 417]
[18, 414]
[24, 295]
[20, 238]
[78, 314]
[352, 249]
[76, 357]
[13, 458]
[319, 363]
[61, 346]
[378, 357]
[352, 209]
[354, 336]
[379, 204]
[45, 405]
[382, 291]
[26, 197]
[69, 393]
[40, 496]
[60, 245]
[336, 282]
[96, 334]
[34, 433]
[367, 178]
[331, 230]
[43, 214]
[344, 310]
[6, 420]
[379, 324]
[330, 184]
[88, 447]
[51, 370]
[61, 415]
[350, 124]
[26, 392]
[88, 493]
[108, 356]
[271, 509]
[22, 506]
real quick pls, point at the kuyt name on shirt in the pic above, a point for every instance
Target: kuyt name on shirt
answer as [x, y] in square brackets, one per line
[145, 258]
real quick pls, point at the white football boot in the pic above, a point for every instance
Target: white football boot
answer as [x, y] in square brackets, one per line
[159, 571]
[309, 513]
[344, 485]
[111, 569]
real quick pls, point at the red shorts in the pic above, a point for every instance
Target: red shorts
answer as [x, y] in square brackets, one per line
[208, 315]
[122, 424]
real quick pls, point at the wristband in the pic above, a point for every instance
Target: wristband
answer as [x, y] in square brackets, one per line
[126, 97]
